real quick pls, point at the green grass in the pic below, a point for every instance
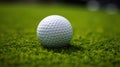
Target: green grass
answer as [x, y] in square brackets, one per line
[95, 43]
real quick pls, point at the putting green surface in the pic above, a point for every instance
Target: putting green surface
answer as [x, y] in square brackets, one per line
[95, 42]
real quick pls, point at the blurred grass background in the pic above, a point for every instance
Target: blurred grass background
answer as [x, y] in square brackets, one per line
[96, 39]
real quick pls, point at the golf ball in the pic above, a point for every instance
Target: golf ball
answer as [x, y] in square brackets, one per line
[54, 31]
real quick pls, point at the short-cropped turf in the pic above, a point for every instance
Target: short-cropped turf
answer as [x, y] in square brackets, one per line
[95, 42]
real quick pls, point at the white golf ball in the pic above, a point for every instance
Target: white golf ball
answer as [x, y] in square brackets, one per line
[54, 31]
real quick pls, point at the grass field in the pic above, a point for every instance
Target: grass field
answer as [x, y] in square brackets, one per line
[95, 42]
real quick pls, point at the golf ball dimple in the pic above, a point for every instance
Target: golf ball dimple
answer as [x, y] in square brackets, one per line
[54, 31]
